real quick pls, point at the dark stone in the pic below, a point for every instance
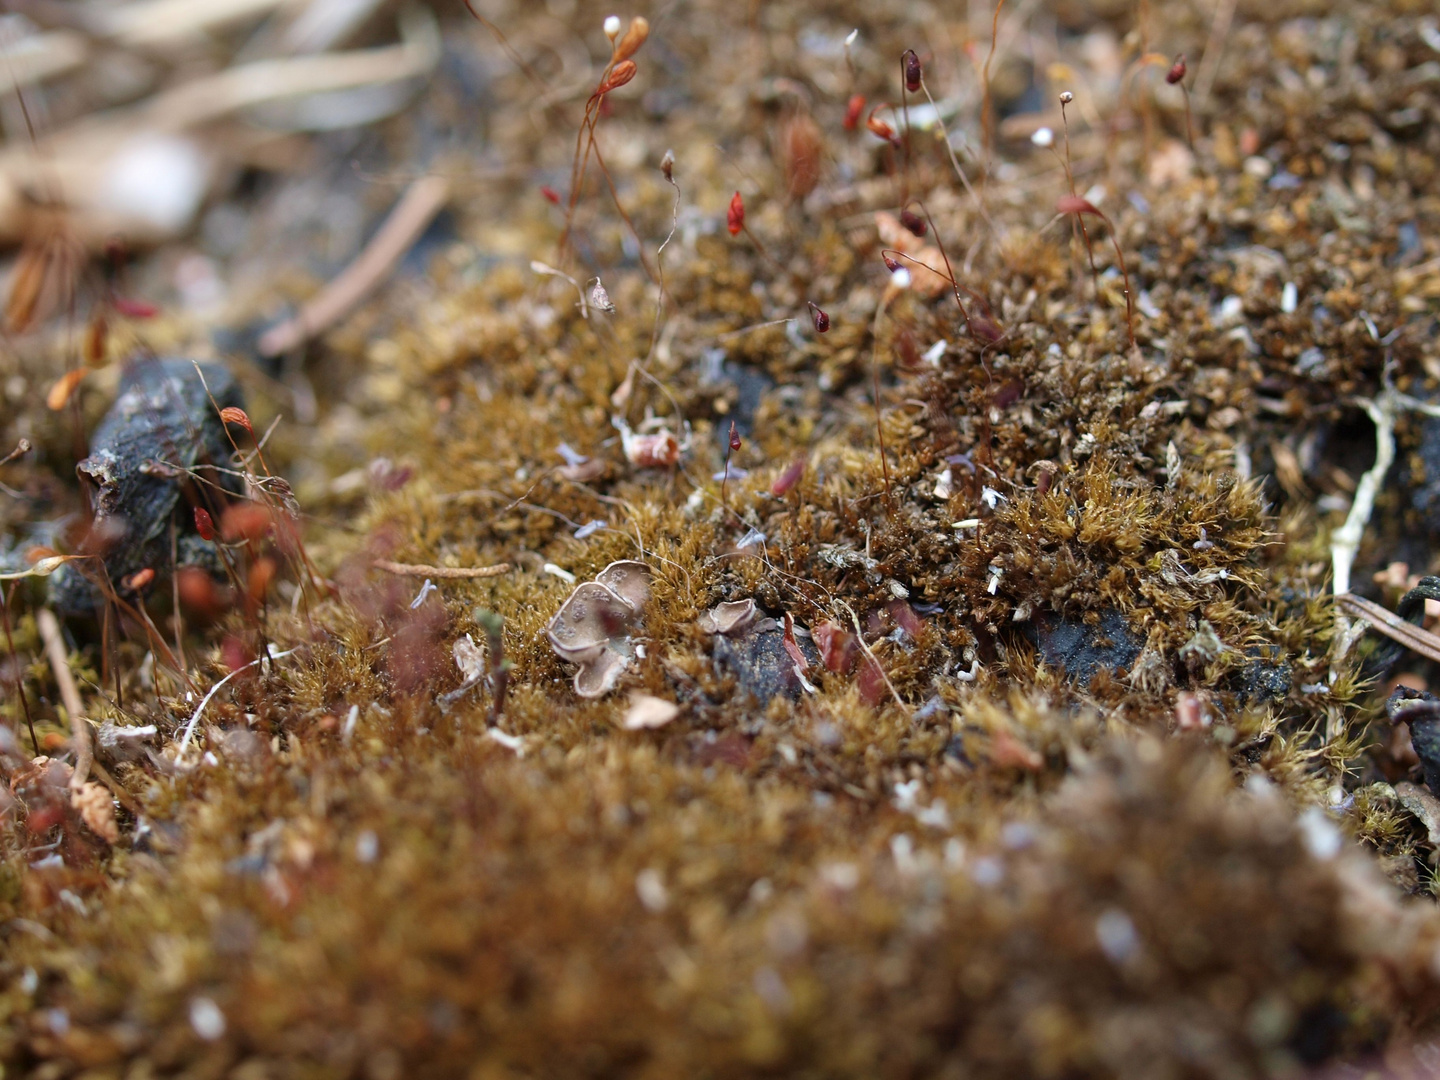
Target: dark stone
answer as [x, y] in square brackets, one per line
[1425, 496]
[163, 426]
[1318, 1034]
[1421, 710]
[1262, 681]
[759, 662]
[1412, 609]
[1081, 649]
[751, 386]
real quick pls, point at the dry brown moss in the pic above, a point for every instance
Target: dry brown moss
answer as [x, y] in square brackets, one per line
[1008, 871]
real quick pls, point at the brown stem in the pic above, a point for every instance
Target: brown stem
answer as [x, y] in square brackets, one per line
[19, 678]
[58, 656]
[987, 119]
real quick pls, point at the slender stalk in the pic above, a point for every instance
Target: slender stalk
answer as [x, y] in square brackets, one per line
[19, 679]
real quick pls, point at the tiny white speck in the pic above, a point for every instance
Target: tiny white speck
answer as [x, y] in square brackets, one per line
[1322, 839]
[901, 278]
[612, 27]
[1230, 311]
[1017, 834]
[556, 571]
[1289, 298]
[1117, 936]
[650, 887]
[206, 1018]
[987, 871]
[367, 847]
[1043, 137]
[425, 591]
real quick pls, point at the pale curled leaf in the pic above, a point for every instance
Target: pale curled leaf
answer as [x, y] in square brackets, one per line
[93, 803]
[647, 711]
[470, 659]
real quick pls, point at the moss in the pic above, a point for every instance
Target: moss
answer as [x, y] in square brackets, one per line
[952, 856]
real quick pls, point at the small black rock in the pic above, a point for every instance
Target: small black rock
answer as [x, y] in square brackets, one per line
[163, 424]
[760, 663]
[1421, 710]
[1081, 649]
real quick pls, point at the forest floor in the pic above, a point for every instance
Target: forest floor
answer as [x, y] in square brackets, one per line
[783, 560]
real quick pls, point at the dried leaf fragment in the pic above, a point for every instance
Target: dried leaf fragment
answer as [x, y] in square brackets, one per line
[647, 711]
[93, 804]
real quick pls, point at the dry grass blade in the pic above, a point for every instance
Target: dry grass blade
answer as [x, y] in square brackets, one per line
[454, 573]
[416, 209]
[58, 656]
[1415, 638]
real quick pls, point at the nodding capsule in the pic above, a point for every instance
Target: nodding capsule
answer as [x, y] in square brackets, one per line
[633, 39]
[891, 264]
[913, 222]
[1177, 70]
[822, 320]
[735, 218]
[912, 71]
[879, 127]
[983, 328]
[734, 437]
[620, 74]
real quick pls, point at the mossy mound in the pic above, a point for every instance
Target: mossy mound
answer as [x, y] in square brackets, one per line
[1045, 752]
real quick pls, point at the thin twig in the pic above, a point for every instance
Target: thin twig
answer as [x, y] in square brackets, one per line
[59, 657]
[1214, 46]
[955, 162]
[1345, 541]
[195, 717]
[1384, 621]
[5, 604]
[987, 113]
[422, 200]
[451, 572]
